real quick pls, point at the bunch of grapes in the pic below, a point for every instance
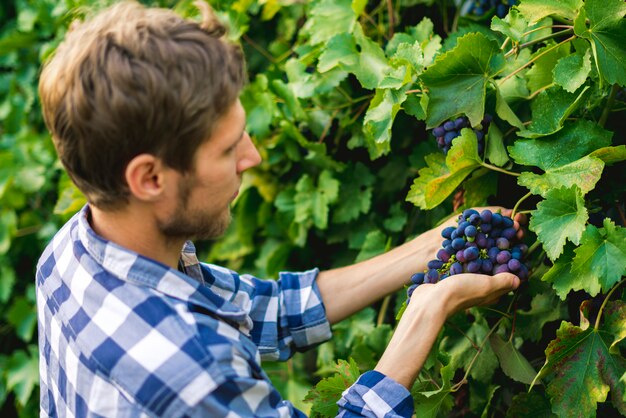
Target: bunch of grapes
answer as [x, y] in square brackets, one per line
[451, 129]
[481, 7]
[480, 243]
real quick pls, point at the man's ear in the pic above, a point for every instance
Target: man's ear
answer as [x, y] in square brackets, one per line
[145, 175]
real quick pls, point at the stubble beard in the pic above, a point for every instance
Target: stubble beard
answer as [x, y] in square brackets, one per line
[193, 224]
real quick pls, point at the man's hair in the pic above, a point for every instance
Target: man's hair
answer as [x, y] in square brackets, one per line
[135, 80]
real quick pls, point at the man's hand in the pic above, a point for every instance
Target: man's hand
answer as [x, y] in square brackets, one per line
[431, 305]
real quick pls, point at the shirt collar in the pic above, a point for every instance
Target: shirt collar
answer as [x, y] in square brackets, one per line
[143, 271]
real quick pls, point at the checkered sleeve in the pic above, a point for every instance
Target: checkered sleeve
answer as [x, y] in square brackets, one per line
[287, 314]
[375, 395]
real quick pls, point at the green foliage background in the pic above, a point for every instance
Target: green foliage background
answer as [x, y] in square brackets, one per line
[340, 100]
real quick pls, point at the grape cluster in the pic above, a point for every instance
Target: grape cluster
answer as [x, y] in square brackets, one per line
[480, 243]
[451, 129]
[481, 7]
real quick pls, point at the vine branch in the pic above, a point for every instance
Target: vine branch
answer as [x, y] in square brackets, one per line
[526, 196]
[501, 170]
[608, 296]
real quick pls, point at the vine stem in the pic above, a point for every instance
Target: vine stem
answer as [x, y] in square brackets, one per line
[537, 41]
[480, 350]
[609, 104]
[501, 170]
[383, 310]
[526, 196]
[533, 247]
[501, 81]
[465, 335]
[604, 303]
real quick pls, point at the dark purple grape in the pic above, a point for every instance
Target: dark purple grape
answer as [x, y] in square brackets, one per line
[474, 219]
[479, 134]
[481, 240]
[462, 226]
[446, 242]
[449, 136]
[449, 126]
[418, 278]
[455, 234]
[447, 232]
[496, 233]
[487, 266]
[443, 255]
[496, 219]
[514, 265]
[503, 257]
[471, 244]
[410, 290]
[471, 231]
[493, 253]
[435, 264]
[516, 254]
[491, 242]
[474, 266]
[486, 228]
[431, 276]
[439, 131]
[522, 273]
[460, 256]
[507, 222]
[458, 243]
[471, 253]
[509, 233]
[502, 243]
[449, 249]
[485, 215]
[487, 119]
[461, 123]
[456, 268]
[503, 268]
[469, 212]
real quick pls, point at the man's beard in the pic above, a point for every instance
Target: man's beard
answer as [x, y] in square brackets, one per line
[193, 224]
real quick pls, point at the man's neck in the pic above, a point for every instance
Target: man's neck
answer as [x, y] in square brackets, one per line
[136, 230]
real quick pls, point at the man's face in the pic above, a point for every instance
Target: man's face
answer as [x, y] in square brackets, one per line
[202, 207]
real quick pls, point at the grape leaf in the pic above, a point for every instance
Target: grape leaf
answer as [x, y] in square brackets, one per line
[442, 175]
[329, 18]
[340, 51]
[550, 109]
[379, 118]
[584, 172]
[607, 35]
[601, 255]
[327, 392]
[516, 27]
[545, 307]
[313, 202]
[535, 10]
[373, 64]
[563, 280]
[610, 155]
[614, 317]
[572, 71]
[574, 141]
[529, 405]
[584, 371]
[513, 363]
[22, 373]
[561, 216]
[540, 74]
[462, 73]
[430, 404]
[260, 106]
[355, 194]
[506, 113]
[375, 243]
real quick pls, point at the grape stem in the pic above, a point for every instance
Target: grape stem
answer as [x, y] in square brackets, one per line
[609, 104]
[533, 247]
[465, 335]
[608, 296]
[383, 310]
[526, 196]
[501, 170]
[537, 41]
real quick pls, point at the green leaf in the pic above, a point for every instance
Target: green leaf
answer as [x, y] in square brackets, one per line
[260, 106]
[442, 175]
[462, 73]
[8, 226]
[327, 392]
[601, 256]
[379, 118]
[506, 113]
[572, 71]
[513, 363]
[530, 405]
[607, 35]
[355, 194]
[495, 150]
[22, 373]
[433, 403]
[397, 218]
[23, 316]
[329, 18]
[516, 27]
[416, 106]
[610, 155]
[340, 51]
[70, 200]
[563, 280]
[614, 317]
[479, 187]
[7, 281]
[573, 142]
[541, 74]
[544, 307]
[550, 109]
[375, 244]
[584, 371]
[584, 172]
[561, 216]
[373, 64]
[313, 202]
[534, 10]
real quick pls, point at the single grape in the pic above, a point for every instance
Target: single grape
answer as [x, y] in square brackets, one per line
[503, 257]
[509, 233]
[449, 136]
[469, 212]
[481, 240]
[456, 268]
[487, 266]
[447, 232]
[439, 131]
[486, 228]
[458, 243]
[446, 242]
[474, 266]
[471, 253]
[502, 243]
[435, 264]
[507, 222]
[474, 219]
[460, 256]
[431, 276]
[496, 219]
[471, 231]
[493, 253]
[503, 268]
[449, 126]
[514, 265]
[443, 255]
[410, 290]
[418, 278]
[485, 215]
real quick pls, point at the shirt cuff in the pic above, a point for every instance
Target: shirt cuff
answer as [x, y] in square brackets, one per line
[376, 395]
[305, 311]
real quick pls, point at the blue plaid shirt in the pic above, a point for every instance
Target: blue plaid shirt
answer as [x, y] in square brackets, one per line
[121, 335]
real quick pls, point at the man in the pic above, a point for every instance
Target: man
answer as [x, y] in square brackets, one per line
[144, 112]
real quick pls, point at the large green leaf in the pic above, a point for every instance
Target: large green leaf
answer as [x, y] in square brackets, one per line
[563, 280]
[379, 118]
[584, 371]
[614, 317]
[607, 34]
[22, 373]
[329, 18]
[541, 74]
[574, 141]
[561, 216]
[572, 71]
[530, 405]
[584, 173]
[355, 194]
[431, 404]
[550, 109]
[462, 73]
[544, 307]
[601, 256]
[516, 27]
[312, 202]
[535, 10]
[442, 175]
[513, 363]
[328, 391]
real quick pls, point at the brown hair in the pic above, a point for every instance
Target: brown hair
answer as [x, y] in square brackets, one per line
[135, 80]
